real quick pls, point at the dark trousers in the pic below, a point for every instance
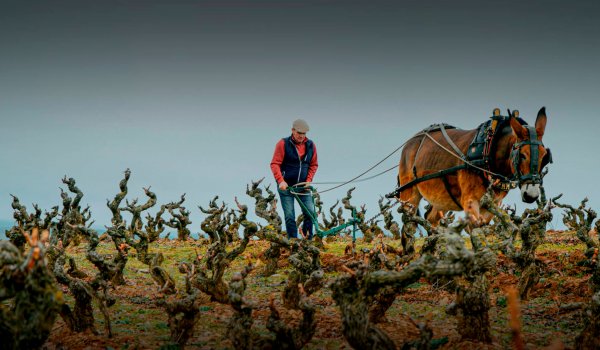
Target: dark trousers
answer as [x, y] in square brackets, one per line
[287, 203]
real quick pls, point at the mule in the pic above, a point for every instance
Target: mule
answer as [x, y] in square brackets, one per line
[439, 171]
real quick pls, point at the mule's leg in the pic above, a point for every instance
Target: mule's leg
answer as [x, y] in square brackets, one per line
[434, 215]
[472, 209]
[472, 189]
[412, 194]
[486, 216]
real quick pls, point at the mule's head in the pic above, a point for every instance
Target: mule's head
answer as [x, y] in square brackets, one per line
[529, 156]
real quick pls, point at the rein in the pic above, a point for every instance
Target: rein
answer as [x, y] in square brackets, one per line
[356, 178]
[468, 164]
[505, 184]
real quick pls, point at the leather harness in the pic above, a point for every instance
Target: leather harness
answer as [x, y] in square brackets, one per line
[477, 157]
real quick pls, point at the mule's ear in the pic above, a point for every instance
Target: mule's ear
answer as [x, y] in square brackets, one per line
[519, 129]
[540, 122]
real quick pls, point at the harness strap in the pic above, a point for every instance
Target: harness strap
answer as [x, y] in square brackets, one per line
[442, 128]
[449, 190]
[445, 177]
[487, 150]
[414, 168]
[451, 143]
[483, 164]
[425, 178]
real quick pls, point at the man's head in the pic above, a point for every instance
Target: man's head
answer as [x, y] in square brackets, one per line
[299, 129]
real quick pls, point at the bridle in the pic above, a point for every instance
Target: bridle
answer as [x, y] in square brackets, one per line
[534, 176]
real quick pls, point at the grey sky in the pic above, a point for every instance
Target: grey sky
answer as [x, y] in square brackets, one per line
[192, 96]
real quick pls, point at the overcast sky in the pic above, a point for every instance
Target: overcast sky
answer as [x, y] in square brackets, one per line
[192, 96]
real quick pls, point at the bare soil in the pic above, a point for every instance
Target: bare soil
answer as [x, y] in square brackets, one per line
[547, 318]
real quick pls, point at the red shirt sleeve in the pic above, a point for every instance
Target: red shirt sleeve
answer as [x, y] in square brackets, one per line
[314, 164]
[277, 160]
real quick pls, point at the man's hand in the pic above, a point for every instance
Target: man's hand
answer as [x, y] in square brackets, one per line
[283, 185]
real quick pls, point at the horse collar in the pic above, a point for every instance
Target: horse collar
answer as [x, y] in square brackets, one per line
[480, 152]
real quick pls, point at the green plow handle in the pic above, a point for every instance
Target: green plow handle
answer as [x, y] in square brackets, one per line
[300, 191]
[337, 229]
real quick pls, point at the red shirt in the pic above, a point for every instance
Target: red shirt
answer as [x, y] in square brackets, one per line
[280, 153]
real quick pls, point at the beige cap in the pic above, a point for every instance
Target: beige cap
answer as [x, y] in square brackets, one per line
[300, 125]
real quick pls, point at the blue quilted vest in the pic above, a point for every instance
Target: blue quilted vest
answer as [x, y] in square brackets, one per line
[294, 169]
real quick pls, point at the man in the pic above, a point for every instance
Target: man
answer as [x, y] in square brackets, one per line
[295, 161]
